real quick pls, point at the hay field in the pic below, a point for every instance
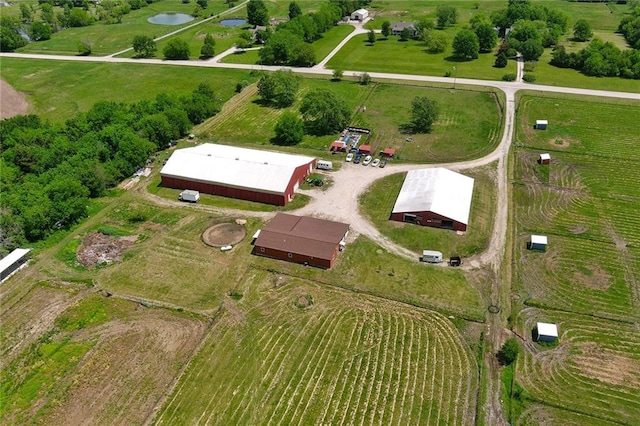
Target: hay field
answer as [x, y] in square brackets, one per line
[290, 352]
[586, 202]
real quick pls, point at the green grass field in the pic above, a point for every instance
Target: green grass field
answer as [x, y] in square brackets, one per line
[377, 204]
[585, 201]
[107, 39]
[410, 57]
[57, 90]
[342, 360]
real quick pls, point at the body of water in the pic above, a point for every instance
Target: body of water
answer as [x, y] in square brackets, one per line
[233, 22]
[170, 18]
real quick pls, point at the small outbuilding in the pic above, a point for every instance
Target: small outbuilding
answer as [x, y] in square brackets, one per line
[360, 15]
[541, 124]
[538, 242]
[544, 158]
[546, 332]
[388, 152]
[338, 146]
[12, 262]
[365, 149]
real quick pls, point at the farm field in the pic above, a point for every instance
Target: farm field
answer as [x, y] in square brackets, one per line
[377, 204]
[460, 133]
[410, 57]
[106, 39]
[291, 352]
[585, 201]
[89, 358]
[57, 90]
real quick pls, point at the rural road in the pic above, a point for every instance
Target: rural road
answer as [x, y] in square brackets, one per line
[340, 201]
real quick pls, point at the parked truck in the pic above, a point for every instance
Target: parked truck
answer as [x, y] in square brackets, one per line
[431, 256]
[189, 196]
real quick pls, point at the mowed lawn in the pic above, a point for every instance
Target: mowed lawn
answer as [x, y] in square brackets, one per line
[291, 352]
[56, 90]
[411, 57]
[586, 202]
[468, 126]
[377, 204]
[106, 39]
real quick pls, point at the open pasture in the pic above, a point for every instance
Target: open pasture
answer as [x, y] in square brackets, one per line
[377, 204]
[106, 39]
[537, 414]
[95, 360]
[468, 126]
[291, 352]
[593, 372]
[411, 57]
[57, 90]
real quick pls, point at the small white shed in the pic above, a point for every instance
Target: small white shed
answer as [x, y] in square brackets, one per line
[538, 242]
[544, 158]
[360, 15]
[541, 124]
[547, 332]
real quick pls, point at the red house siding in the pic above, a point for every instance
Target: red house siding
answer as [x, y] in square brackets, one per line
[295, 257]
[430, 219]
[298, 176]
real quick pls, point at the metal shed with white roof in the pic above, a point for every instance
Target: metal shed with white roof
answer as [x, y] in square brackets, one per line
[546, 332]
[435, 197]
[249, 174]
[12, 262]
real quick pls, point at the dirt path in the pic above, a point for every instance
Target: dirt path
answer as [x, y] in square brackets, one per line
[12, 102]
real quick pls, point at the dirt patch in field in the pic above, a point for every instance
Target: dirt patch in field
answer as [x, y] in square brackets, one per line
[12, 102]
[578, 229]
[98, 248]
[596, 278]
[224, 234]
[563, 143]
[608, 366]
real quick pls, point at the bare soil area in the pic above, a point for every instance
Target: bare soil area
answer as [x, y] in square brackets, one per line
[607, 366]
[224, 234]
[12, 102]
[98, 248]
[136, 359]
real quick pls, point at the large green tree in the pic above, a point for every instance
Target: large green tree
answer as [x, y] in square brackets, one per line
[294, 10]
[289, 129]
[508, 353]
[279, 88]
[466, 44]
[487, 36]
[386, 29]
[446, 15]
[324, 112]
[144, 46]
[582, 30]
[257, 13]
[176, 48]
[424, 112]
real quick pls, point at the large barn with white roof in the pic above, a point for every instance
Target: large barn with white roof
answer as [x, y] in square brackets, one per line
[435, 197]
[249, 174]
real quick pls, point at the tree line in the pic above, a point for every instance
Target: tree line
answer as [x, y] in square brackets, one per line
[48, 171]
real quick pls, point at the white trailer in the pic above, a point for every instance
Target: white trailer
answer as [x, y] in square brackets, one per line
[324, 165]
[189, 196]
[431, 256]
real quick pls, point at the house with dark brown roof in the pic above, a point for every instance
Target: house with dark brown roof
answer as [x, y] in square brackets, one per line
[302, 239]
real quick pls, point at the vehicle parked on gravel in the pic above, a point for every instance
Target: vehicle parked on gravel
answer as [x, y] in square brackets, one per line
[383, 163]
[349, 156]
[357, 159]
[375, 162]
[367, 160]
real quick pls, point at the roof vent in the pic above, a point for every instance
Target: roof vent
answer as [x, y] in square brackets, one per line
[208, 155]
[237, 158]
[266, 162]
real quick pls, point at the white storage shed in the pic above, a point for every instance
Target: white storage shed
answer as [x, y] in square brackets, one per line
[546, 332]
[541, 124]
[360, 15]
[538, 242]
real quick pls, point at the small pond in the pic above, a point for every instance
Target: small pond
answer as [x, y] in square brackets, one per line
[233, 22]
[170, 18]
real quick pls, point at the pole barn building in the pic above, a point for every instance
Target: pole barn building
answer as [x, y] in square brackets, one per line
[435, 197]
[249, 174]
[12, 262]
[302, 239]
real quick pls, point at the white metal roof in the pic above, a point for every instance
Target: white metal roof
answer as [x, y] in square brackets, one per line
[545, 157]
[265, 171]
[362, 12]
[12, 258]
[438, 190]
[431, 253]
[542, 122]
[539, 239]
[546, 329]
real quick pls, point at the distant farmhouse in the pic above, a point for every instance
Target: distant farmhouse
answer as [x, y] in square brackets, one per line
[360, 15]
[435, 197]
[398, 27]
[249, 174]
[302, 239]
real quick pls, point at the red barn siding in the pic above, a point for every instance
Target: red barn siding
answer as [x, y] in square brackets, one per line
[295, 257]
[429, 219]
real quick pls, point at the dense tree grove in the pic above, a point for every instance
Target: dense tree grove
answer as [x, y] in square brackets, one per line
[630, 28]
[294, 10]
[324, 112]
[48, 171]
[279, 88]
[289, 129]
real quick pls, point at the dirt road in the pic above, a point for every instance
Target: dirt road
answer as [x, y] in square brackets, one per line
[12, 102]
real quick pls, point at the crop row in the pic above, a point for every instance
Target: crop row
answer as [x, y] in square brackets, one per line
[595, 370]
[341, 361]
